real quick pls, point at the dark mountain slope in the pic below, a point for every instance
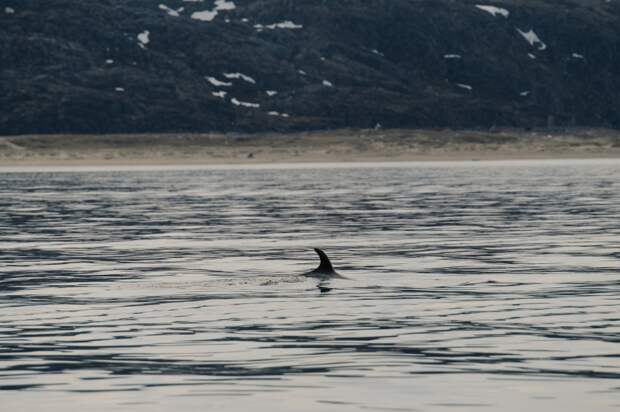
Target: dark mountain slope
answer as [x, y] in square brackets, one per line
[153, 66]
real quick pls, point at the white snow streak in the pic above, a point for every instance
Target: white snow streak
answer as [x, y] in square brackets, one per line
[274, 113]
[494, 10]
[244, 104]
[218, 83]
[171, 12]
[240, 76]
[282, 25]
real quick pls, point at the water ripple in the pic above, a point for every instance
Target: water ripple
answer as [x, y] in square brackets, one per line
[175, 286]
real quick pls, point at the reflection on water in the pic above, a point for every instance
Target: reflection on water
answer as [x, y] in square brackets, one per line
[470, 286]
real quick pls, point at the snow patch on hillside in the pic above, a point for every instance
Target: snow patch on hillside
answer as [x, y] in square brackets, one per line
[223, 5]
[143, 39]
[206, 15]
[209, 15]
[532, 38]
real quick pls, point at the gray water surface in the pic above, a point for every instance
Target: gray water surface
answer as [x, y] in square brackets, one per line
[471, 286]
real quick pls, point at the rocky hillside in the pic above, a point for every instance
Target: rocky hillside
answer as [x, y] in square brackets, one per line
[108, 66]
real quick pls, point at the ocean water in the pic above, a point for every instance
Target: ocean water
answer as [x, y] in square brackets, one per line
[470, 286]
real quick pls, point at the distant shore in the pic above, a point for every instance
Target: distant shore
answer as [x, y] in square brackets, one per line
[346, 145]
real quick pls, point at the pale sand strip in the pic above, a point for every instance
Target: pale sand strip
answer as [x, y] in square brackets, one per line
[326, 146]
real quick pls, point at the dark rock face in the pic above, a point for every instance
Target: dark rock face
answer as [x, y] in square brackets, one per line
[105, 66]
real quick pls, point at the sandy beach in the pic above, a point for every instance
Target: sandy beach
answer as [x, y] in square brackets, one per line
[326, 146]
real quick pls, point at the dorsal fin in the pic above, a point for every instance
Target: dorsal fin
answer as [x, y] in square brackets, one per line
[326, 265]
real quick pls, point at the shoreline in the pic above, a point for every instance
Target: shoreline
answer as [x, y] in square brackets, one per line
[334, 146]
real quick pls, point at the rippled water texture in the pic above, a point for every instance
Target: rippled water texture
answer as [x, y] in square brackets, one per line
[471, 286]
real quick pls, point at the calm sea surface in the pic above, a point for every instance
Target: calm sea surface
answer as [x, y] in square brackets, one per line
[471, 286]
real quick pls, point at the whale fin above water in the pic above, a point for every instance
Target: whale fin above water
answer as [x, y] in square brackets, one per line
[326, 265]
[325, 269]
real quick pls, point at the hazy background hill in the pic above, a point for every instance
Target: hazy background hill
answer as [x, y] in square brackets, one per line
[107, 66]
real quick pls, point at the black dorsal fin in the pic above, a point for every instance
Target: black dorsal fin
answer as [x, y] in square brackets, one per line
[326, 265]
